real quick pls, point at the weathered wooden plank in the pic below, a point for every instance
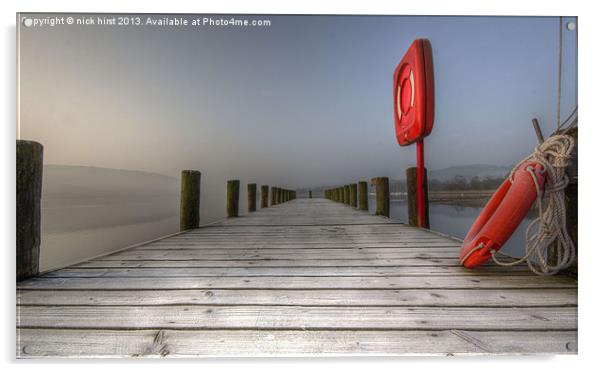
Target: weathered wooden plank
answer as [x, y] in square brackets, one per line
[295, 262]
[336, 282]
[277, 254]
[172, 343]
[268, 245]
[339, 297]
[164, 272]
[295, 317]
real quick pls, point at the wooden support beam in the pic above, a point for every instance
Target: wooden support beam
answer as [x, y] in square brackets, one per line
[232, 198]
[265, 191]
[190, 199]
[412, 192]
[346, 194]
[353, 195]
[30, 156]
[363, 195]
[381, 186]
[252, 197]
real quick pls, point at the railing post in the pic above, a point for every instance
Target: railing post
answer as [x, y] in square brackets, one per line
[190, 199]
[412, 193]
[232, 198]
[30, 156]
[363, 195]
[346, 194]
[353, 195]
[381, 186]
[252, 197]
[265, 191]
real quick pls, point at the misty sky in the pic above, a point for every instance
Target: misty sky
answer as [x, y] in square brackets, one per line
[307, 101]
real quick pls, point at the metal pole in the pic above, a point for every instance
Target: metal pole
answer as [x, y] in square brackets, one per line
[420, 183]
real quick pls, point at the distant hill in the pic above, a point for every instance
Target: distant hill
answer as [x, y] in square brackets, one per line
[483, 171]
[469, 171]
[80, 182]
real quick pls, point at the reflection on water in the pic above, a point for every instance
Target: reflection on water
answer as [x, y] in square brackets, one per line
[456, 221]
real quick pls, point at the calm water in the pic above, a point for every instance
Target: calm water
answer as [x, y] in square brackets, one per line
[75, 230]
[456, 221]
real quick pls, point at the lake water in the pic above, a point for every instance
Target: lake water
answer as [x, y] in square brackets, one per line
[456, 221]
[75, 230]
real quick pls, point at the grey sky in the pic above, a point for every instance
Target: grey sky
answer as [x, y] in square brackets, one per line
[307, 101]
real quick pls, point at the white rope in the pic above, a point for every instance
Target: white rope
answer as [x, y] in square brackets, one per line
[549, 229]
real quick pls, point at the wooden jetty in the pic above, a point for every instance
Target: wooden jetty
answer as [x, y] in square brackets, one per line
[304, 277]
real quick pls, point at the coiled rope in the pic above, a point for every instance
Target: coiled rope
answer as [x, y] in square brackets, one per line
[548, 230]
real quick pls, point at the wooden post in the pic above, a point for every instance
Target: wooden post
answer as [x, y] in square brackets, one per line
[251, 197]
[363, 195]
[190, 199]
[381, 186]
[232, 198]
[412, 192]
[272, 195]
[346, 194]
[341, 196]
[265, 191]
[310, 194]
[353, 195]
[30, 160]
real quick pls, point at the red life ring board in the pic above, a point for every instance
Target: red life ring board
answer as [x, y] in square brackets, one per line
[502, 215]
[414, 93]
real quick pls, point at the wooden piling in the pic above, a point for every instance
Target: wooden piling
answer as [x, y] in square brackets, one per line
[190, 199]
[310, 194]
[251, 197]
[412, 193]
[232, 198]
[30, 156]
[353, 195]
[381, 186]
[265, 191]
[346, 194]
[272, 196]
[363, 195]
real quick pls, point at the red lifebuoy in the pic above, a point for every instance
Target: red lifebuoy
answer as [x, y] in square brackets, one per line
[502, 214]
[414, 93]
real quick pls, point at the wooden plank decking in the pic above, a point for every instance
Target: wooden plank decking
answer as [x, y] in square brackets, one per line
[309, 276]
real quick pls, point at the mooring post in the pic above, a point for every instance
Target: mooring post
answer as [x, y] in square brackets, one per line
[30, 156]
[190, 199]
[381, 186]
[363, 195]
[232, 198]
[265, 191]
[353, 195]
[346, 194]
[251, 197]
[412, 192]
